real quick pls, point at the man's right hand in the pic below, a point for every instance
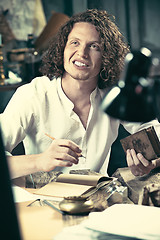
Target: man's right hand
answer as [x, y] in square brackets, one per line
[61, 153]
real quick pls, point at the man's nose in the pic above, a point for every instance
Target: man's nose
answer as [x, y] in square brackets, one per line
[83, 51]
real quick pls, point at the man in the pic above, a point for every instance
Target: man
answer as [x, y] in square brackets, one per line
[84, 59]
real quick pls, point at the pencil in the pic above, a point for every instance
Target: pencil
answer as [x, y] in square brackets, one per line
[49, 136]
[80, 155]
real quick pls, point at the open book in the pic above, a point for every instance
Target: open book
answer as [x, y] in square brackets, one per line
[71, 185]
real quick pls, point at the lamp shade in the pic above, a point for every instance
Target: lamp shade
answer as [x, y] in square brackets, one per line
[133, 99]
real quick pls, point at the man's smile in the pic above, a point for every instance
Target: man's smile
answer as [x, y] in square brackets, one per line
[80, 64]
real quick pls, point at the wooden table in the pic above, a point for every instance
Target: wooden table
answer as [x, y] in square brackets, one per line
[42, 223]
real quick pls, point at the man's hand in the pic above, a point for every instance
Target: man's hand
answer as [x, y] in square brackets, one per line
[61, 153]
[138, 164]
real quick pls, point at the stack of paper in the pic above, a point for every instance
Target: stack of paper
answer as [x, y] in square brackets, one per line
[120, 221]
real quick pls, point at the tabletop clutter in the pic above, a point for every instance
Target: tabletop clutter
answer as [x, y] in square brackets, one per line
[94, 206]
[84, 191]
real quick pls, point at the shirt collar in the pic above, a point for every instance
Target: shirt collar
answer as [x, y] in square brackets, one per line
[95, 96]
[67, 103]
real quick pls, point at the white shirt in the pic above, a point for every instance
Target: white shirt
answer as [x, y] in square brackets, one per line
[42, 107]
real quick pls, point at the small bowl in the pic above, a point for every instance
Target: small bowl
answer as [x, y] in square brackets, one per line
[76, 205]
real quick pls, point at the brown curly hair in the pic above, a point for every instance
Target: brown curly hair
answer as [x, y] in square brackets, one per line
[113, 47]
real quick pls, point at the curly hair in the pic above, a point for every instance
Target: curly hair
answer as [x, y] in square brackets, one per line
[113, 47]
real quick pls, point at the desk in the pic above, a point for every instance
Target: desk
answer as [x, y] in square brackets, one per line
[43, 223]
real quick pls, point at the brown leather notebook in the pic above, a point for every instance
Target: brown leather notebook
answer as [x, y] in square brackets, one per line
[145, 141]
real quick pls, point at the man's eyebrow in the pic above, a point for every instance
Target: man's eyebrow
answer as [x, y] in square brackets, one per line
[92, 41]
[73, 38]
[95, 41]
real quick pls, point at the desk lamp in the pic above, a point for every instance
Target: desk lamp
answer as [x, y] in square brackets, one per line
[133, 98]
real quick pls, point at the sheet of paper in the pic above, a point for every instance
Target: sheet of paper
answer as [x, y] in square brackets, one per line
[79, 232]
[58, 189]
[130, 220]
[120, 221]
[21, 195]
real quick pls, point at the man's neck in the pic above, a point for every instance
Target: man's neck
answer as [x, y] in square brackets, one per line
[79, 92]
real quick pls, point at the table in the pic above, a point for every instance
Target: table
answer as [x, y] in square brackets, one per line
[38, 222]
[42, 223]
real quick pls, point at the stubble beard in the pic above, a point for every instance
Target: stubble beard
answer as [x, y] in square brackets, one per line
[80, 76]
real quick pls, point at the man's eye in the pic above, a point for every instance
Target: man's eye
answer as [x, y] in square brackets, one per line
[95, 46]
[74, 43]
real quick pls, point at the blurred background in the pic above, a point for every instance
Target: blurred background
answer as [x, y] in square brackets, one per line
[27, 26]
[137, 19]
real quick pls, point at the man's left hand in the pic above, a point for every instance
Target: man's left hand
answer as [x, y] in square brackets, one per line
[140, 165]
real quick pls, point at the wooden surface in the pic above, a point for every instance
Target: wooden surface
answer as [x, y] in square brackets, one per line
[39, 221]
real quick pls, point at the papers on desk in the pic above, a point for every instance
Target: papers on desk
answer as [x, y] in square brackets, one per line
[120, 221]
[135, 221]
[21, 195]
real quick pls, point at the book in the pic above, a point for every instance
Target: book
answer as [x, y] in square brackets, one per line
[71, 185]
[145, 141]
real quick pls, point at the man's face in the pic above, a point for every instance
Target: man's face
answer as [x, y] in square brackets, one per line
[82, 54]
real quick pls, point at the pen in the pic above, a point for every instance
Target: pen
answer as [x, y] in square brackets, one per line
[52, 206]
[54, 139]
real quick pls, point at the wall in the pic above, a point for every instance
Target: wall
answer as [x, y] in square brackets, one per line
[138, 20]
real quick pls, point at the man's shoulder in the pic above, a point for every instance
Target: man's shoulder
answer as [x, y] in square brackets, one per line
[42, 82]
[39, 85]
